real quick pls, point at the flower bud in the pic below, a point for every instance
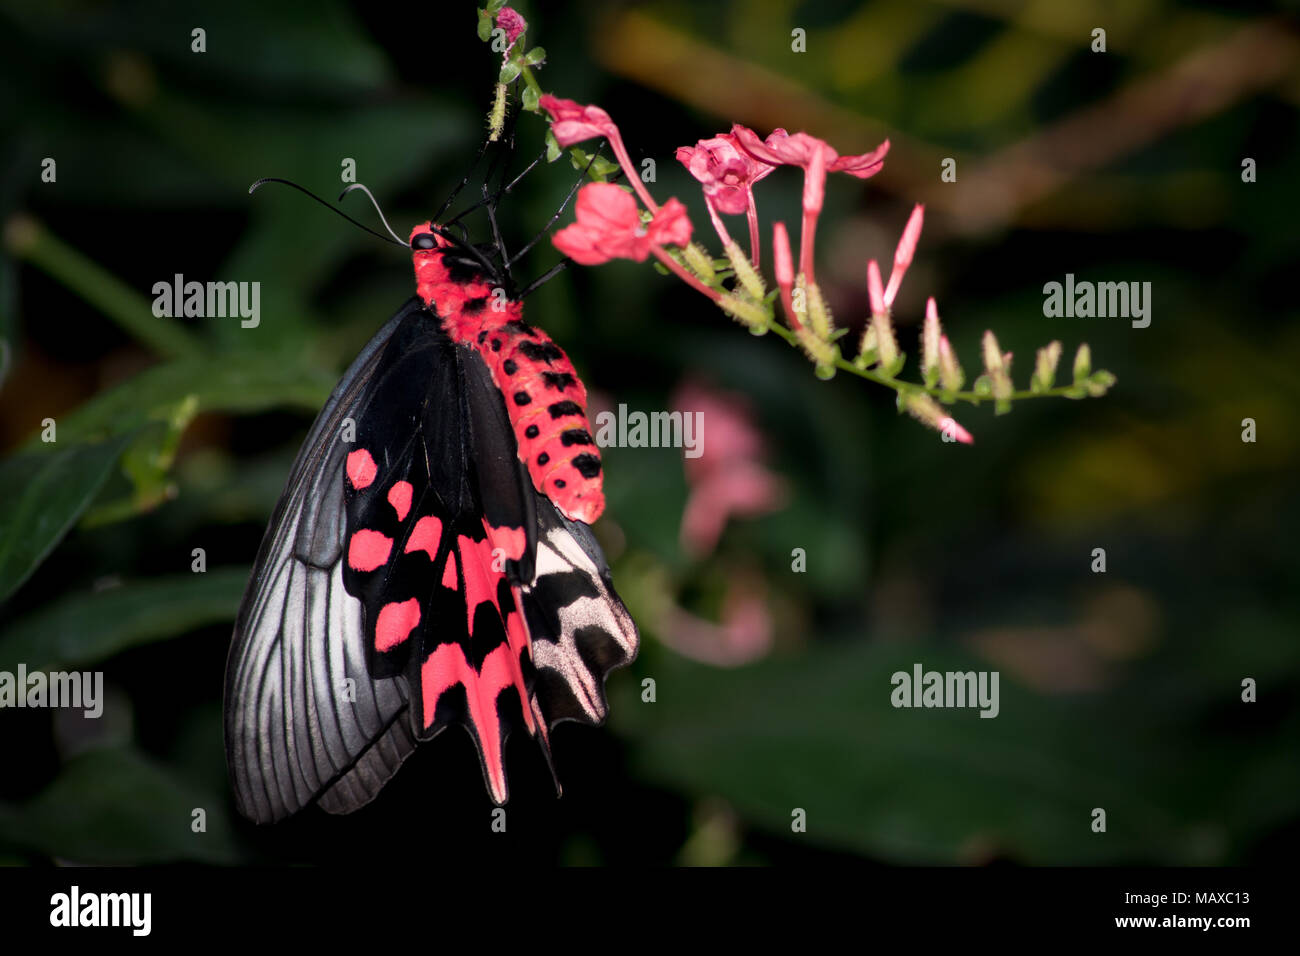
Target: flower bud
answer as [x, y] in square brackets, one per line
[930, 335]
[1045, 367]
[1082, 363]
[926, 410]
[950, 371]
[746, 274]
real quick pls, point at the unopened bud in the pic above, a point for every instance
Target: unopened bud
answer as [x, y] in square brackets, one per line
[699, 262]
[746, 275]
[819, 314]
[925, 409]
[748, 313]
[1045, 367]
[950, 371]
[903, 254]
[930, 335]
[1082, 363]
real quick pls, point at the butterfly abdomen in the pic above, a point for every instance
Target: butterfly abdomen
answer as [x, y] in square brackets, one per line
[544, 398]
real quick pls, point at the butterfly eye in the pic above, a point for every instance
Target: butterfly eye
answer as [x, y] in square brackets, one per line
[424, 240]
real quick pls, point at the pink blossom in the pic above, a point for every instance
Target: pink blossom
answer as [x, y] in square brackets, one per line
[572, 122]
[608, 226]
[903, 254]
[816, 157]
[744, 633]
[513, 23]
[729, 478]
[726, 171]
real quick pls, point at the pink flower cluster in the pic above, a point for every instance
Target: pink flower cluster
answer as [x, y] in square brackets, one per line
[727, 166]
[609, 224]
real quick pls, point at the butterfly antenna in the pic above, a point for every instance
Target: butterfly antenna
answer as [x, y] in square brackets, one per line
[374, 202]
[463, 183]
[330, 206]
[545, 277]
[559, 212]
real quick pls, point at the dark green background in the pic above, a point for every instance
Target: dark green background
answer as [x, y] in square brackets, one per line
[1119, 690]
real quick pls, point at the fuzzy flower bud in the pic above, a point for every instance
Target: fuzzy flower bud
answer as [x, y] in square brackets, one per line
[926, 410]
[950, 372]
[1045, 367]
[746, 275]
[930, 335]
[886, 344]
[1082, 363]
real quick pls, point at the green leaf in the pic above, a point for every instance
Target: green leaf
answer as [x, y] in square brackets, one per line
[86, 628]
[817, 730]
[509, 70]
[119, 806]
[245, 382]
[41, 497]
[553, 151]
[484, 26]
[530, 98]
[534, 56]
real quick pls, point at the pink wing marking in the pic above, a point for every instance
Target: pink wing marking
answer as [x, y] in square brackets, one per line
[425, 536]
[510, 540]
[447, 667]
[368, 550]
[395, 623]
[361, 468]
[399, 496]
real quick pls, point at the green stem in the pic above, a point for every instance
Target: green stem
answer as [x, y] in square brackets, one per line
[27, 239]
[530, 80]
[934, 391]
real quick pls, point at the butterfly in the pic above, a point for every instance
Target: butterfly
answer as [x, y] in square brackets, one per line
[430, 561]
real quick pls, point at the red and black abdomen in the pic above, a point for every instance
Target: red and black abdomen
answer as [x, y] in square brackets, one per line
[544, 398]
[547, 404]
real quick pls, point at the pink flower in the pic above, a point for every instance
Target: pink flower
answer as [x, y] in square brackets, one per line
[608, 226]
[513, 23]
[812, 155]
[903, 254]
[726, 171]
[729, 478]
[572, 122]
[816, 157]
[743, 635]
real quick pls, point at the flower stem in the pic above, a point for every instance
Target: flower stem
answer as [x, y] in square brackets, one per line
[933, 391]
[751, 213]
[718, 226]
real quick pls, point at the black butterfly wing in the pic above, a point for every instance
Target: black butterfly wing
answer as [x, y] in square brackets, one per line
[411, 578]
[300, 704]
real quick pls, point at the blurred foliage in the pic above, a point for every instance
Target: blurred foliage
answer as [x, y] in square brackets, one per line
[1119, 690]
